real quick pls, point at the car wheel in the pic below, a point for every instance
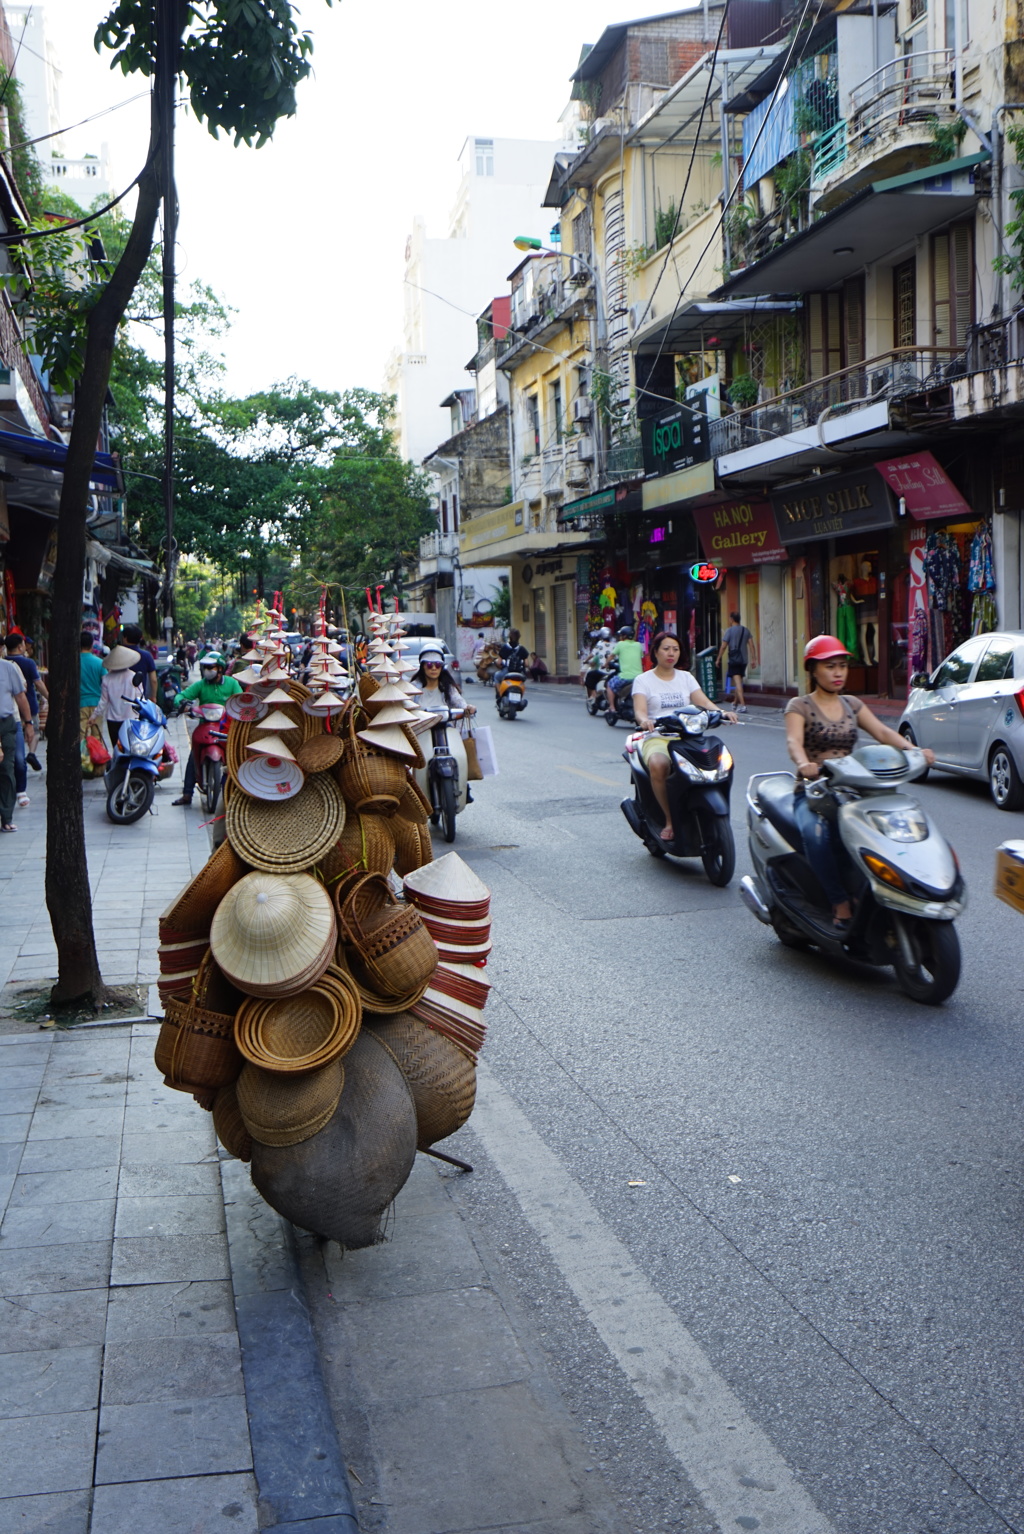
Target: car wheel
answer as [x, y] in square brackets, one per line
[1004, 782]
[909, 736]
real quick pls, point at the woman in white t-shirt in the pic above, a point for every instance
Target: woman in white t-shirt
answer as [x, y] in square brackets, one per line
[660, 691]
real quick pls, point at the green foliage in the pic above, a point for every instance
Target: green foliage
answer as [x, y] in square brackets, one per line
[792, 180]
[1010, 261]
[501, 607]
[27, 173]
[241, 59]
[665, 220]
[947, 138]
[743, 391]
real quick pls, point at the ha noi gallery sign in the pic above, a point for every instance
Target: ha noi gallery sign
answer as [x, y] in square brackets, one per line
[739, 533]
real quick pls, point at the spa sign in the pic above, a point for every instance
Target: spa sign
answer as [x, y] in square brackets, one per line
[739, 533]
[833, 505]
[675, 439]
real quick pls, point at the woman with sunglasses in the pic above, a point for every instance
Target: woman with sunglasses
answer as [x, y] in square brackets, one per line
[439, 689]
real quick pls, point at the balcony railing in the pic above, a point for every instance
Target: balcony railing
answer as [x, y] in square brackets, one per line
[914, 90]
[995, 345]
[591, 522]
[439, 545]
[624, 460]
[907, 370]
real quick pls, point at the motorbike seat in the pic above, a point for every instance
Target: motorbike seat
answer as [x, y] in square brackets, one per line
[775, 796]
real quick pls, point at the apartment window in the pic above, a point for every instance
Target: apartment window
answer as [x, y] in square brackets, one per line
[455, 512]
[484, 156]
[904, 303]
[533, 423]
[444, 515]
[918, 8]
[952, 286]
[556, 410]
[824, 333]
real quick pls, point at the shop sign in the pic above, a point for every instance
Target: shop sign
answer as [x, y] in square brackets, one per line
[704, 575]
[739, 533]
[925, 487]
[675, 439]
[601, 500]
[832, 506]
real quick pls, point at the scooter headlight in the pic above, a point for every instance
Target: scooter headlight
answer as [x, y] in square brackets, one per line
[142, 747]
[900, 825]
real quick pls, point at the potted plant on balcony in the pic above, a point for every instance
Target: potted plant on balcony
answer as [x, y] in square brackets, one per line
[743, 391]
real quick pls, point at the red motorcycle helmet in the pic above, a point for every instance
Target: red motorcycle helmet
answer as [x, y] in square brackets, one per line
[823, 647]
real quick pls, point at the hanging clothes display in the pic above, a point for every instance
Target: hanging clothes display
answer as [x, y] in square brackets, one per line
[918, 648]
[941, 569]
[981, 580]
[846, 618]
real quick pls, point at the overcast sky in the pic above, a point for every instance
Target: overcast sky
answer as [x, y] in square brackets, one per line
[305, 238]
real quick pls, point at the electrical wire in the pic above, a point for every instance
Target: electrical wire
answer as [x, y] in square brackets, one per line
[76, 223]
[27, 143]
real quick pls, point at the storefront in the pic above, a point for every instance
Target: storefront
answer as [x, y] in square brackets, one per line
[741, 538]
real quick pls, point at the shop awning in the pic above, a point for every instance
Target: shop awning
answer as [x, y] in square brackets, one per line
[879, 219]
[706, 325]
[32, 468]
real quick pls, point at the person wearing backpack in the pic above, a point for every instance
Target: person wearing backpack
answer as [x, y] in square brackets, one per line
[740, 643]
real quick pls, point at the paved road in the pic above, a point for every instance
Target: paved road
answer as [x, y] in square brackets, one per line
[764, 1213]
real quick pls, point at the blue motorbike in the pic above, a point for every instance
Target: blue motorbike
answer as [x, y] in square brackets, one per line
[139, 760]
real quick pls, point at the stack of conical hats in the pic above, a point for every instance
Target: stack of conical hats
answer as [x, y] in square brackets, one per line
[456, 909]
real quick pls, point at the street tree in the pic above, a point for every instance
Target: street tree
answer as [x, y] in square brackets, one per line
[241, 62]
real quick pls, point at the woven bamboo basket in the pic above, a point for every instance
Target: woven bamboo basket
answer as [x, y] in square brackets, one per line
[371, 1001]
[388, 948]
[365, 846]
[368, 685]
[195, 1047]
[414, 804]
[290, 836]
[413, 846]
[320, 753]
[300, 1033]
[441, 1078]
[372, 782]
[230, 1127]
[178, 984]
[191, 912]
[285, 1110]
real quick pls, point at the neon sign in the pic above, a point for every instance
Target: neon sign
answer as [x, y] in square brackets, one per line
[704, 575]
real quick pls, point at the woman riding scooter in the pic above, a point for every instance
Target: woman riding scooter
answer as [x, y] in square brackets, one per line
[821, 725]
[661, 691]
[213, 687]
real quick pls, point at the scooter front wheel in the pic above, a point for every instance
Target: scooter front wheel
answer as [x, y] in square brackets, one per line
[130, 799]
[927, 958]
[211, 785]
[719, 856]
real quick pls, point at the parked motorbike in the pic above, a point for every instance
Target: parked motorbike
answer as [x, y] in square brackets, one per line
[140, 757]
[510, 694]
[169, 682]
[903, 878]
[699, 786]
[208, 749]
[445, 778]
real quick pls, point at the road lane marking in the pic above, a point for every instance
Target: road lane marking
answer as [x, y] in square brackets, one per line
[578, 771]
[740, 1476]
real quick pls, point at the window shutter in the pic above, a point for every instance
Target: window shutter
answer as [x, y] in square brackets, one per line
[942, 315]
[853, 322]
[904, 304]
[961, 261]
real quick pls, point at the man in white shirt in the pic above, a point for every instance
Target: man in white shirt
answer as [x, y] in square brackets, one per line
[13, 704]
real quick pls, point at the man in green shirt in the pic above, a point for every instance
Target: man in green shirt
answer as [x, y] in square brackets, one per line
[90, 681]
[630, 656]
[213, 687]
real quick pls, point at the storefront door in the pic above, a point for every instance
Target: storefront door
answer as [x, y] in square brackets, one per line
[540, 624]
[560, 601]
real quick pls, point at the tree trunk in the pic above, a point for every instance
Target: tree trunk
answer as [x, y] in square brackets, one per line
[68, 897]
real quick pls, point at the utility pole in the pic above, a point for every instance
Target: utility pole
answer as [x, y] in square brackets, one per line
[166, 79]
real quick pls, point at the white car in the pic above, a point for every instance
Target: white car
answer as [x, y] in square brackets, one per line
[970, 711]
[414, 644]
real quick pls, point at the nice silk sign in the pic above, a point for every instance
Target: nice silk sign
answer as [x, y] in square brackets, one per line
[739, 533]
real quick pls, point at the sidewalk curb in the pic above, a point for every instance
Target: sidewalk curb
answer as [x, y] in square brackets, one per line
[300, 1473]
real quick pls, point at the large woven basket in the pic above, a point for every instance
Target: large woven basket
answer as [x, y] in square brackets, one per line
[365, 846]
[340, 1182]
[191, 911]
[414, 804]
[413, 846]
[441, 1078]
[372, 781]
[285, 1110]
[387, 946]
[195, 1047]
[230, 1127]
[320, 753]
[301, 1033]
[289, 836]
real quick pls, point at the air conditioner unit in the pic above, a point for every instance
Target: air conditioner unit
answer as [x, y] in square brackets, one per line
[583, 408]
[577, 475]
[585, 450]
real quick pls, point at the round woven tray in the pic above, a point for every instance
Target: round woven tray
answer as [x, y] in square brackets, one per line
[320, 753]
[287, 837]
[413, 846]
[303, 1032]
[414, 804]
[285, 1110]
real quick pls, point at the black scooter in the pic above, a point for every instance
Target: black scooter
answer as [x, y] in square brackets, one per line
[699, 786]
[623, 703]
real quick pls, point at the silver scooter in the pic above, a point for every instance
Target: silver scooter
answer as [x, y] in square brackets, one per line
[901, 874]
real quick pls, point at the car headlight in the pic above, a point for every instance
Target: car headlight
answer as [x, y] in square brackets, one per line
[900, 825]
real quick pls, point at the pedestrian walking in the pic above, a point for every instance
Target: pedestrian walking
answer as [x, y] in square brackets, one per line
[740, 644]
[90, 683]
[14, 719]
[145, 666]
[120, 690]
[16, 646]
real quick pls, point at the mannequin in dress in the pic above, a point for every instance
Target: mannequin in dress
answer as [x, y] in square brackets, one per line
[846, 615]
[865, 594]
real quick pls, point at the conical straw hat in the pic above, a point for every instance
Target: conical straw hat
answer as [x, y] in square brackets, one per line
[270, 777]
[249, 675]
[448, 882]
[273, 745]
[389, 713]
[278, 720]
[277, 695]
[272, 929]
[388, 738]
[246, 707]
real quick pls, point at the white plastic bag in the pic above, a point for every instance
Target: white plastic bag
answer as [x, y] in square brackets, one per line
[485, 751]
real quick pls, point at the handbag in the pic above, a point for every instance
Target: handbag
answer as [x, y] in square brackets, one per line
[474, 772]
